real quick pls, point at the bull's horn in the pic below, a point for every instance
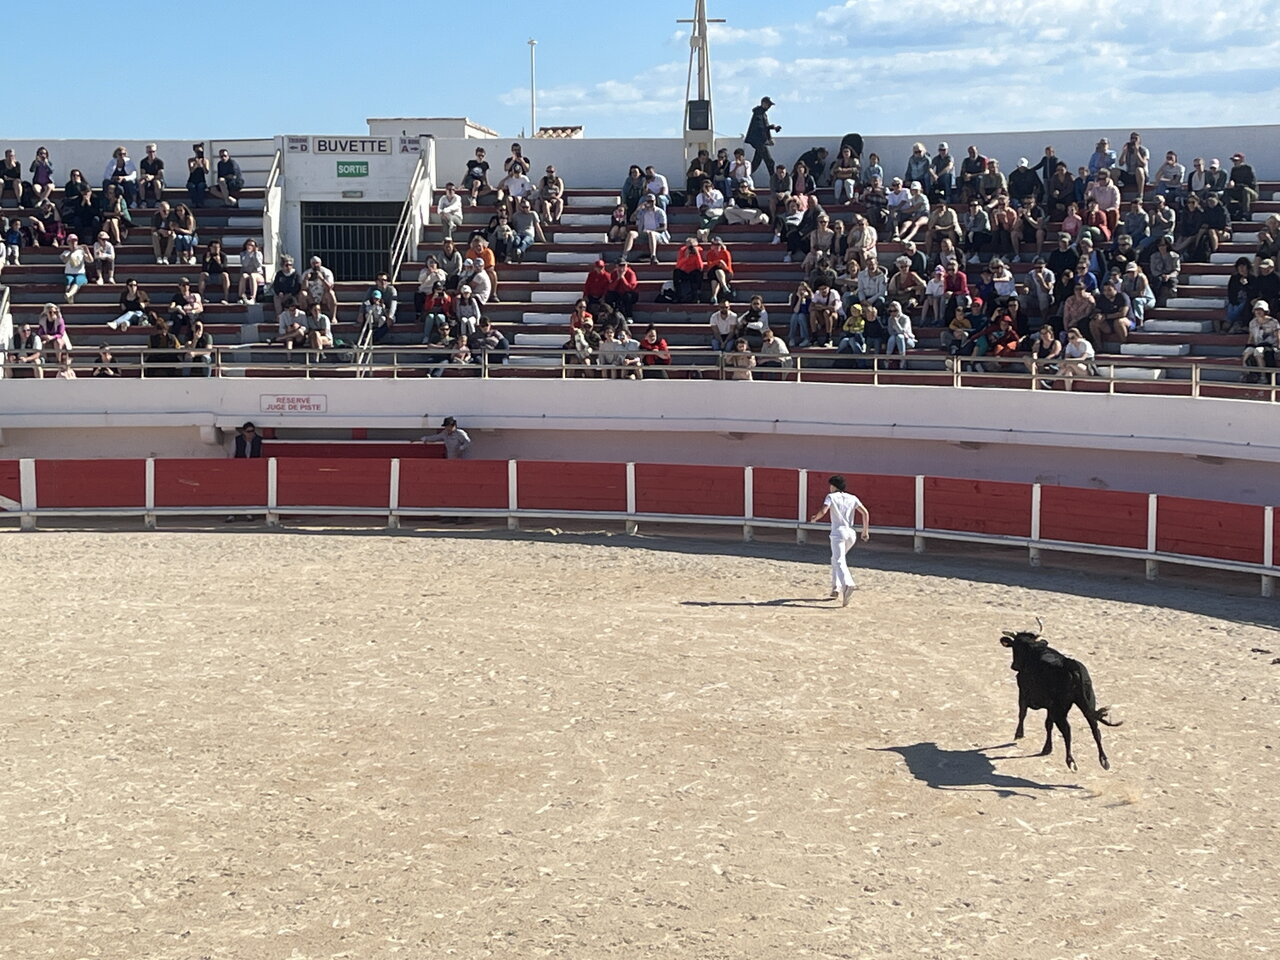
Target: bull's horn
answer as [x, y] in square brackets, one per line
[1039, 627]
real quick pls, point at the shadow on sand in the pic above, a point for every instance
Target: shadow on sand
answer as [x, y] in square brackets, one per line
[815, 602]
[965, 770]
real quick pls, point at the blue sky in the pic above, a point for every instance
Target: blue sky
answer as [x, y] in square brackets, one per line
[876, 66]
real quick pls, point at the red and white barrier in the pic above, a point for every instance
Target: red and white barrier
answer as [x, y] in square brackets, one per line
[1150, 527]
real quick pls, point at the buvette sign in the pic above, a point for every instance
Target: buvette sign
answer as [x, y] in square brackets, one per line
[358, 146]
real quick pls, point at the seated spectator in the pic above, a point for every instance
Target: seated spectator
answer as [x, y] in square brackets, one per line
[518, 161]
[943, 224]
[199, 354]
[1079, 307]
[1040, 284]
[906, 287]
[616, 358]
[723, 325]
[104, 259]
[527, 225]
[844, 176]
[999, 341]
[65, 372]
[105, 365]
[977, 231]
[185, 307]
[1061, 190]
[185, 235]
[515, 186]
[197, 176]
[1216, 225]
[1264, 337]
[1163, 269]
[700, 170]
[633, 189]
[1217, 181]
[1136, 223]
[710, 203]
[134, 307]
[1077, 358]
[579, 314]
[622, 295]
[919, 167]
[46, 225]
[1191, 233]
[228, 180]
[1137, 288]
[1032, 227]
[475, 182]
[27, 353]
[821, 271]
[450, 259]
[122, 173]
[740, 173]
[1004, 225]
[449, 210]
[1242, 189]
[972, 167]
[780, 185]
[390, 296]
[287, 283]
[825, 309]
[1266, 285]
[853, 330]
[654, 355]
[800, 303]
[773, 353]
[1240, 297]
[863, 238]
[292, 323]
[75, 261]
[596, 286]
[619, 224]
[934, 296]
[655, 184]
[428, 277]
[1044, 350]
[500, 235]
[488, 344]
[41, 177]
[1094, 224]
[1103, 158]
[1170, 178]
[373, 319]
[467, 310]
[1268, 247]
[875, 204]
[1072, 222]
[150, 177]
[318, 287]
[789, 228]
[1164, 221]
[253, 271]
[1104, 190]
[1132, 164]
[943, 185]
[718, 269]
[1002, 279]
[162, 233]
[1111, 320]
[440, 338]
[650, 225]
[319, 329]
[113, 214]
[739, 362]
[913, 213]
[436, 311]
[802, 182]
[53, 329]
[687, 275]
[873, 285]
[1025, 182]
[752, 321]
[551, 196]
[215, 268]
[163, 351]
[993, 181]
[898, 327]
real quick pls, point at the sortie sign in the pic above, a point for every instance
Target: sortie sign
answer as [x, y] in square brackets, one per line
[353, 168]
[293, 403]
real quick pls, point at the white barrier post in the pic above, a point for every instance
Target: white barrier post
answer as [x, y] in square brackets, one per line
[513, 499]
[149, 475]
[393, 496]
[1153, 566]
[27, 484]
[1033, 551]
[748, 504]
[802, 507]
[1268, 550]
[273, 518]
[632, 526]
[917, 542]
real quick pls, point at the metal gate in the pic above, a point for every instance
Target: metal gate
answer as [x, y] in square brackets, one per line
[354, 239]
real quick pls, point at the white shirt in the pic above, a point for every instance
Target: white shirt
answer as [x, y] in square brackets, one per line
[842, 507]
[657, 186]
[724, 323]
[291, 316]
[450, 206]
[1080, 349]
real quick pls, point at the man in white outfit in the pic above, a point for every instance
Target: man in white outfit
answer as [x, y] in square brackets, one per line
[843, 507]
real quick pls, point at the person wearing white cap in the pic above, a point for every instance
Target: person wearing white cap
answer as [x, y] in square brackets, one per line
[104, 259]
[1264, 338]
[467, 311]
[1024, 182]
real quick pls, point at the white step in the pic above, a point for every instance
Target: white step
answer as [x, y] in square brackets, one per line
[1223, 257]
[1130, 373]
[574, 258]
[1178, 326]
[1193, 303]
[1155, 349]
[552, 276]
[544, 319]
[534, 361]
[1207, 279]
[540, 339]
[553, 296]
[562, 237]
[585, 219]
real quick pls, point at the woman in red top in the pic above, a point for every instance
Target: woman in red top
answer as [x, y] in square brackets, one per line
[1096, 220]
[654, 354]
[719, 269]
[580, 314]
[437, 311]
[687, 276]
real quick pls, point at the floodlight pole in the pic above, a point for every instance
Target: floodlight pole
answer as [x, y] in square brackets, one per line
[533, 90]
[696, 136]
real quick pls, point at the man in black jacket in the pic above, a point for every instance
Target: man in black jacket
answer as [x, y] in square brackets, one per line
[760, 135]
[1242, 188]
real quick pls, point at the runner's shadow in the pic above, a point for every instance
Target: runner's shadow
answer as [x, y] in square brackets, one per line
[965, 770]
[780, 602]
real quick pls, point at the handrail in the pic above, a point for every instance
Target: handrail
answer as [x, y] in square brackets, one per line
[561, 362]
[409, 226]
[271, 220]
[6, 321]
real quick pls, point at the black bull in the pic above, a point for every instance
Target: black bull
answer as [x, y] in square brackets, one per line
[1049, 681]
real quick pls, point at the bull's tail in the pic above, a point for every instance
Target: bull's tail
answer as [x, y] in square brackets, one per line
[1084, 696]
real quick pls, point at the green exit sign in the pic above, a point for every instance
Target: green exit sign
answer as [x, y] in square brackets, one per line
[353, 168]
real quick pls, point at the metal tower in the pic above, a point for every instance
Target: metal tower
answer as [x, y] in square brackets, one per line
[699, 128]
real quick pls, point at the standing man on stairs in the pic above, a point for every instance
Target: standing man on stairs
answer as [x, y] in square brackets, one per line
[760, 135]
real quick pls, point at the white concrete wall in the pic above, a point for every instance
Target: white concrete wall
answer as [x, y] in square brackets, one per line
[1143, 443]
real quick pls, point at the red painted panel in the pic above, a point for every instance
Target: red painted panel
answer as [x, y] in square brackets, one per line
[211, 483]
[10, 485]
[890, 499]
[549, 485]
[693, 490]
[978, 506]
[91, 483]
[1112, 518]
[358, 449]
[332, 483]
[1275, 537]
[454, 483]
[775, 492]
[1205, 528]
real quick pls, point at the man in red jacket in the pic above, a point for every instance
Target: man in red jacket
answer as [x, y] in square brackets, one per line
[622, 294]
[597, 285]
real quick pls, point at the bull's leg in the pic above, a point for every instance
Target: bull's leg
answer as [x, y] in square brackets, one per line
[1066, 738]
[1022, 716]
[1097, 738]
[1048, 734]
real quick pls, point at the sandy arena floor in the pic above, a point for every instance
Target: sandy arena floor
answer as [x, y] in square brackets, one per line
[249, 745]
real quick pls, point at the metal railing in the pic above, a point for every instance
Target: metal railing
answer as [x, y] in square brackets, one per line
[414, 215]
[1149, 376]
[6, 323]
[272, 210]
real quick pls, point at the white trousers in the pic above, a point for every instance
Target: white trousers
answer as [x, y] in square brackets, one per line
[842, 540]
